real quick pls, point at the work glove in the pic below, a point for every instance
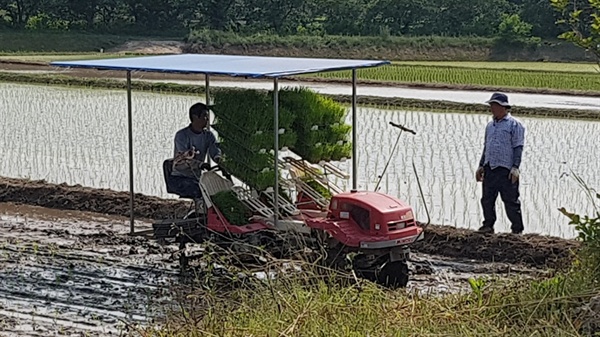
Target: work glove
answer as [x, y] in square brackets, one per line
[479, 174]
[514, 175]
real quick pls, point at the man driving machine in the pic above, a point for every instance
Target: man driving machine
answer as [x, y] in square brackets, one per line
[192, 143]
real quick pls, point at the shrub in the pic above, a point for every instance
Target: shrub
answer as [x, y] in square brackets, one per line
[588, 229]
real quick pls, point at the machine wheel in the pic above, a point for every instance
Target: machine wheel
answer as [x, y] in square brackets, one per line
[394, 274]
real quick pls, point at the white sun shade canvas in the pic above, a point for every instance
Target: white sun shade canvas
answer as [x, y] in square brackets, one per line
[232, 65]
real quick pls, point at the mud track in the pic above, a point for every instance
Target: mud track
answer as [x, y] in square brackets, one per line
[73, 273]
[528, 250]
[75, 277]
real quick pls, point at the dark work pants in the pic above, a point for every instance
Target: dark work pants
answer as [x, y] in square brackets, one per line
[185, 187]
[497, 181]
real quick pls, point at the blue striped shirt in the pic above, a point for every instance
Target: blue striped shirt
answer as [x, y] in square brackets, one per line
[504, 141]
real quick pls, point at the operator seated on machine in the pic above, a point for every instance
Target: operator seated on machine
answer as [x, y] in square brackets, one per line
[192, 143]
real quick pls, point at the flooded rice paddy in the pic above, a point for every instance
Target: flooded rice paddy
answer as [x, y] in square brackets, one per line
[79, 136]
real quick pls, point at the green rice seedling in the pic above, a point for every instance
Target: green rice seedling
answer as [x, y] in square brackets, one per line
[318, 187]
[252, 110]
[260, 180]
[319, 124]
[310, 125]
[231, 207]
[469, 76]
[257, 141]
[244, 121]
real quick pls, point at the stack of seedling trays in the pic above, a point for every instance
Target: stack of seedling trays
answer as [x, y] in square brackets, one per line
[322, 133]
[244, 122]
[310, 125]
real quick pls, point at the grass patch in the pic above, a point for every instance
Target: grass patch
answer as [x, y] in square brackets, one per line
[307, 304]
[337, 46]
[508, 78]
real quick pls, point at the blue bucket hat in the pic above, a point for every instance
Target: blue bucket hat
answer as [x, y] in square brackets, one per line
[499, 98]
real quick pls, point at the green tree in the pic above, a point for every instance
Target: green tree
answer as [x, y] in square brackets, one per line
[401, 17]
[19, 11]
[542, 18]
[582, 20]
[219, 14]
[280, 16]
[344, 17]
[514, 30]
[466, 17]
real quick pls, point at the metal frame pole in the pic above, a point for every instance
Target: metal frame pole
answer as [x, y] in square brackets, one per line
[354, 147]
[130, 132]
[207, 96]
[207, 88]
[276, 151]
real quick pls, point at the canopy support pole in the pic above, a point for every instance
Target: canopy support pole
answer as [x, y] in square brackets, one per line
[207, 96]
[130, 134]
[354, 147]
[276, 151]
[207, 88]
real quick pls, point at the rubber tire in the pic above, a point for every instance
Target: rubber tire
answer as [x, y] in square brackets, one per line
[394, 275]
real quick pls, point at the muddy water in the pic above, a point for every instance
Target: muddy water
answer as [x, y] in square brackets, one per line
[71, 275]
[78, 273]
[80, 138]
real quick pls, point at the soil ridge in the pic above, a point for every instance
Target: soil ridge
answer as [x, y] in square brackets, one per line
[530, 250]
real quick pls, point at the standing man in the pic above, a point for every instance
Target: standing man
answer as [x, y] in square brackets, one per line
[499, 165]
[192, 143]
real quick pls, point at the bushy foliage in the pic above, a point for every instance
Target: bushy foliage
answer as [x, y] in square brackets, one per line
[588, 229]
[582, 19]
[513, 30]
[381, 18]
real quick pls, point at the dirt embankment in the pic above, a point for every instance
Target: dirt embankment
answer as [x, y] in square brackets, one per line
[529, 250]
[79, 198]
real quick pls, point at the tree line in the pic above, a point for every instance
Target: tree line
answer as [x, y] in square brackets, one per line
[484, 18]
